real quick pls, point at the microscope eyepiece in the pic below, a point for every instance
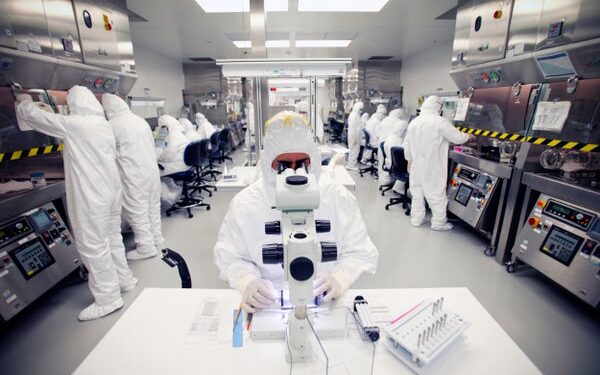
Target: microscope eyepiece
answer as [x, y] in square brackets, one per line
[296, 180]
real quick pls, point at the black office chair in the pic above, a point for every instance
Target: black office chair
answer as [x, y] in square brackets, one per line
[399, 172]
[214, 157]
[337, 131]
[201, 184]
[225, 144]
[187, 201]
[387, 187]
[372, 161]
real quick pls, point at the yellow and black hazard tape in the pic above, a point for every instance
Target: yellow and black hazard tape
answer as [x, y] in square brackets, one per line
[585, 147]
[30, 153]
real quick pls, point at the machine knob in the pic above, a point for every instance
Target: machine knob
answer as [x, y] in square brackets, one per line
[19, 226]
[323, 226]
[272, 253]
[579, 216]
[328, 251]
[273, 227]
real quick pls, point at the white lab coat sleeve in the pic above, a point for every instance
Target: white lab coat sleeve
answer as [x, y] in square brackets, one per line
[51, 124]
[453, 135]
[407, 149]
[356, 251]
[231, 253]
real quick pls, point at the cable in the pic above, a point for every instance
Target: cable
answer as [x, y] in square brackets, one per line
[287, 343]
[321, 345]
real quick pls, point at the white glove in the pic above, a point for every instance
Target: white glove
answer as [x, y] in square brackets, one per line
[22, 98]
[333, 285]
[258, 294]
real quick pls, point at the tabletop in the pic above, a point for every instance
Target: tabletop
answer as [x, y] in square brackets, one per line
[247, 175]
[183, 331]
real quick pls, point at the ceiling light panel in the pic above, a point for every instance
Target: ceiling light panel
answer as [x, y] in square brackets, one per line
[341, 5]
[323, 43]
[268, 43]
[238, 6]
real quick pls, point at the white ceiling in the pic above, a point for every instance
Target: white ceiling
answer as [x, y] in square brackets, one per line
[181, 29]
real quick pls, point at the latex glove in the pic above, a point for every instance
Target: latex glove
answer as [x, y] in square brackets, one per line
[22, 98]
[332, 285]
[258, 294]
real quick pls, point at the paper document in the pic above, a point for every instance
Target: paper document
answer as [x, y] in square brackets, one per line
[205, 325]
[551, 116]
[462, 107]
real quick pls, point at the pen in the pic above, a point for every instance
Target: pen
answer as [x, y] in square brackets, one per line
[250, 315]
[237, 316]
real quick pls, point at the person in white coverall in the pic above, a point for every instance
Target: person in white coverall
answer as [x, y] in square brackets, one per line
[190, 131]
[373, 128]
[140, 177]
[397, 124]
[93, 193]
[394, 139]
[205, 125]
[303, 108]
[354, 135]
[238, 251]
[426, 148]
[170, 157]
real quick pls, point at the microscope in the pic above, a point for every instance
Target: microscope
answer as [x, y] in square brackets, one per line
[297, 196]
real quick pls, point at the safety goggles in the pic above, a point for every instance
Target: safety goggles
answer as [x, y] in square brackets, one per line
[293, 160]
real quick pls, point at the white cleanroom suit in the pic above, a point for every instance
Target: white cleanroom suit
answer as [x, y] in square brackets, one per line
[354, 134]
[205, 125]
[394, 139]
[426, 146]
[395, 122]
[171, 156]
[93, 194]
[140, 177]
[189, 130]
[238, 252]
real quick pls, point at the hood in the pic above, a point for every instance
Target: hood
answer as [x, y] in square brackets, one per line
[365, 116]
[397, 129]
[199, 118]
[187, 125]
[398, 113]
[287, 132]
[302, 107]
[81, 101]
[357, 107]
[433, 104]
[170, 123]
[381, 109]
[114, 105]
[378, 116]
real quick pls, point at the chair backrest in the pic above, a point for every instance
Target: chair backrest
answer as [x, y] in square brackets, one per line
[214, 141]
[399, 162]
[381, 146]
[191, 154]
[203, 150]
[367, 137]
[224, 139]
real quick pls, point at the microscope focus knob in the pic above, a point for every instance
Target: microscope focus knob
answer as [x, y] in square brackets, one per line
[323, 226]
[328, 251]
[272, 253]
[273, 227]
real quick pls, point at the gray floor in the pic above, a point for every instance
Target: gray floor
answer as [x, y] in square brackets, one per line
[558, 333]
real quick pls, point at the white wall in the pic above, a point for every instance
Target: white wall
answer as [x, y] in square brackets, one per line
[163, 76]
[426, 73]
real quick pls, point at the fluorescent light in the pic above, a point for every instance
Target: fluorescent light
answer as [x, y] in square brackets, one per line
[238, 6]
[268, 44]
[321, 43]
[341, 5]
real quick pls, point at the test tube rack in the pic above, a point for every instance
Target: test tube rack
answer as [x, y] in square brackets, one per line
[421, 335]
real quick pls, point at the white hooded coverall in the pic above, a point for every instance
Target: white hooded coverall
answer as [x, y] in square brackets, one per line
[139, 172]
[238, 252]
[426, 145]
[205, 125]
[189, 130]
[171, 157]
[354, 134]
[93, 190]
[396, 121]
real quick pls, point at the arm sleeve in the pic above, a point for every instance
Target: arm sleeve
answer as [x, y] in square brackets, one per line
[452, 134]
[357, 254]
[407, 149]
[51, 124]
[231, 254]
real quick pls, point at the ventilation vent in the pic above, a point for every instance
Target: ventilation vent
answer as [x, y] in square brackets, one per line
[380, 58]
[202, 59]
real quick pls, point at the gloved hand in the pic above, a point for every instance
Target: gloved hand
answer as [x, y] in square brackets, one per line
[258, 294]
[22, 98]
[333, 285]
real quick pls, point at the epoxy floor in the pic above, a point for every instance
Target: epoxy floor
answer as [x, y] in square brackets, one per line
[560, 334]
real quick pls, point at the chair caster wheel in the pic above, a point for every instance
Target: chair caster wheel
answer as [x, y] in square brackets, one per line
[387, 208]
[207, 208]
[190, 216]
[489, 251]
[168, 214]
[210, 194]
[511, 267]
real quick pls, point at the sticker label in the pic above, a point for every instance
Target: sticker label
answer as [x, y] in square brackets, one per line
[555, 65]
[3, 273]
[11, 299]
[462, 107]
[551, 116]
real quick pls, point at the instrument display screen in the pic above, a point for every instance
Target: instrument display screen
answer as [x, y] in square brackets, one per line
[468, 174]
[561, 245]
[32, 258]
[41, 219]
[463, 194]
[569, 215]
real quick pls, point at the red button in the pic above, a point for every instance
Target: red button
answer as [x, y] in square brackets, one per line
[533, 221]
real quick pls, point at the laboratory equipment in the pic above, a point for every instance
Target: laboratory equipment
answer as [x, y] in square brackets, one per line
[297, 196]
[174, 259]
[560, 239]
[363, 314]
[423, 334]
[471, 196]
[37, 249]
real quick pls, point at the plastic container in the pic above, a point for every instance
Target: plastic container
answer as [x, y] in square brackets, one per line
[38, 179]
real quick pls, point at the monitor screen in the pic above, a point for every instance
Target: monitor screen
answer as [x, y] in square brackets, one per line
[561, 245]
[41, 219]
[32, 258]
[463, 194]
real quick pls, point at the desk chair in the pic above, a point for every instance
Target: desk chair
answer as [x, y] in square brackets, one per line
[214, 156]
[399, 172]
[387, 187]
[201, 183]
[225, 144]
[337, 131]
[372, 161]
[187, 201]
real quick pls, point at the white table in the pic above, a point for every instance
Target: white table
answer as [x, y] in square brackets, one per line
[150, 338]
[247, 175]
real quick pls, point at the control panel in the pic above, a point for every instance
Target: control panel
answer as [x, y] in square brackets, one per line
[470, 194]
[560, 239]
[36, 251]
